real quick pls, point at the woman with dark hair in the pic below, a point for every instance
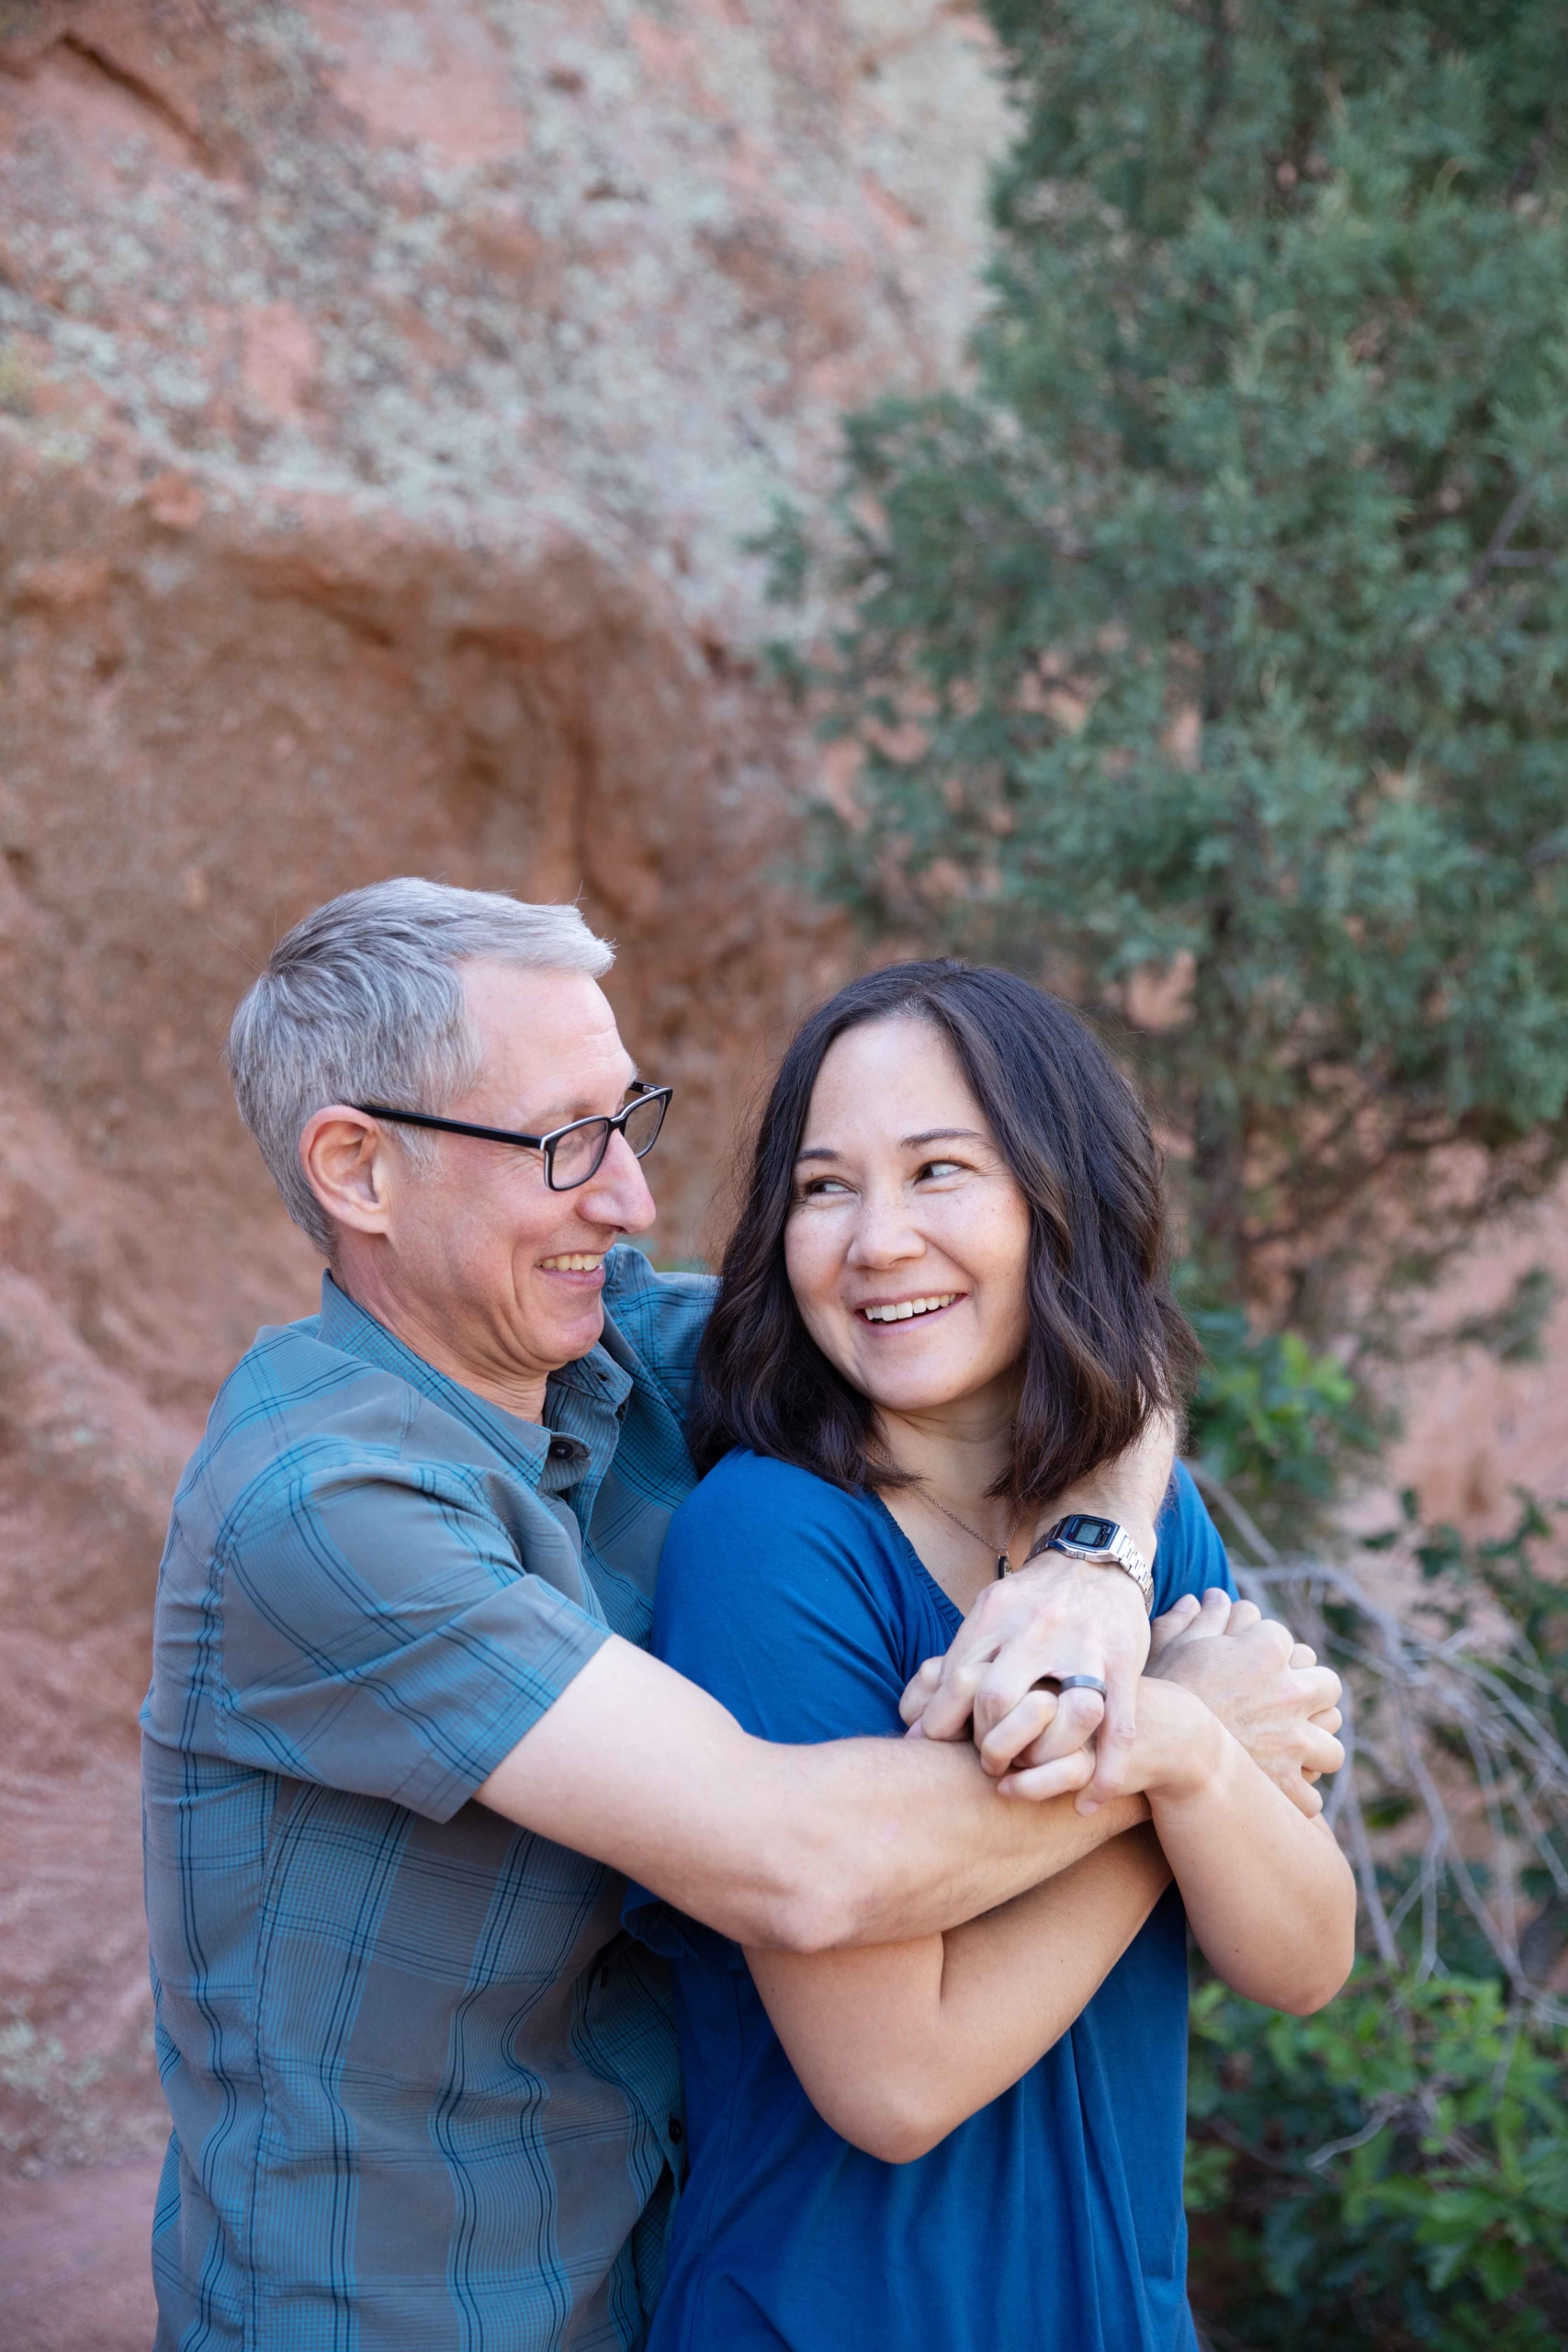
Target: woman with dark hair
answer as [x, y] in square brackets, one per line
[943, 1308]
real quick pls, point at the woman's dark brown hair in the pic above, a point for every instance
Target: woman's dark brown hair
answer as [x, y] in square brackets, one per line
[1106, 1342]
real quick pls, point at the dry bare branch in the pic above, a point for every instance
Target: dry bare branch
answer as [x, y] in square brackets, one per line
[1451, 1720]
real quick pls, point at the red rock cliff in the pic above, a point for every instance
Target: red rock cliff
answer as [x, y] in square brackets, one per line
[385, 397]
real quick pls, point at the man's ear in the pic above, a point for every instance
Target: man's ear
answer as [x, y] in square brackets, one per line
[346, 1158]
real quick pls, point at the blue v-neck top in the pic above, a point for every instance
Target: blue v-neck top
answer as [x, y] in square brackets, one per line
[1052, 2218]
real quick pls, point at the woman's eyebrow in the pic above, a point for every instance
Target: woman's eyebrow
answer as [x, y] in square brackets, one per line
[905, 1143]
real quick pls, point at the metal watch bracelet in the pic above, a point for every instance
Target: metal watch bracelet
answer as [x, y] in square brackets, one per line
[1111, 1547]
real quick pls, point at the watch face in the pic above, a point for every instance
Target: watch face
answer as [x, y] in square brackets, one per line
[1094, 1534]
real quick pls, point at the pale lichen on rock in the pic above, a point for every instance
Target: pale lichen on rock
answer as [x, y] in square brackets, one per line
[385, 397]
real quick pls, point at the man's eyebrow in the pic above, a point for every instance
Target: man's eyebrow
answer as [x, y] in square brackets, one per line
[562, 1117]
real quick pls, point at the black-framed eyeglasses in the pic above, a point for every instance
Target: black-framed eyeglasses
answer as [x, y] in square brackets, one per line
[571, 1153]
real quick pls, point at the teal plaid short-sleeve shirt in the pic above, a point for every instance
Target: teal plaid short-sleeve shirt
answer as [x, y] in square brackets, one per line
[424, 2093]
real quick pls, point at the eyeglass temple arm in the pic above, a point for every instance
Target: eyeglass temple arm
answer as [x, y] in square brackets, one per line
[447, 1126]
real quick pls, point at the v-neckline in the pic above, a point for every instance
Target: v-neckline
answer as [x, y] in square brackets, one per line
[941, 1591]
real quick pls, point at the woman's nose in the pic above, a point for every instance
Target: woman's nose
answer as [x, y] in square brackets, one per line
[883, 1233]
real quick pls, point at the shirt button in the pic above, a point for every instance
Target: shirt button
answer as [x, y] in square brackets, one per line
[677, 2130]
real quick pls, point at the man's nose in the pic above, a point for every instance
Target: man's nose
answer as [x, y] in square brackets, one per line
[616, 1193]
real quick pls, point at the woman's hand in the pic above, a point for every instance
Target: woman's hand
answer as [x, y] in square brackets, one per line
[1267, 1688]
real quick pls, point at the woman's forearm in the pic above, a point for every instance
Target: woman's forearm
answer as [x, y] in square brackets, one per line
[1269, 1897]
[896, 2044]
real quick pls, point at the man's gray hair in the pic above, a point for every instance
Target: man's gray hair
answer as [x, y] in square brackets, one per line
[362, 1002]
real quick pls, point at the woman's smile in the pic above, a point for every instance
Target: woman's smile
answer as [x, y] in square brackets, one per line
[884, 1311]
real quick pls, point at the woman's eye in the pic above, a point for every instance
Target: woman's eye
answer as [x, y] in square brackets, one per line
[941, 1167]
[821, 1188]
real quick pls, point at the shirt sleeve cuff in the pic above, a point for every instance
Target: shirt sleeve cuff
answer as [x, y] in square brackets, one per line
[439, 1788]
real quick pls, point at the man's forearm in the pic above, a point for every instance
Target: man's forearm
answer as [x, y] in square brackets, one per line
[913, 1838]
[798, 1849]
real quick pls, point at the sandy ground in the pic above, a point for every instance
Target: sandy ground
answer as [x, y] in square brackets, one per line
[73, 2267]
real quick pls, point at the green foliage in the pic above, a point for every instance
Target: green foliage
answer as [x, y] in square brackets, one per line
[1208, 656]
[1221, 632]
[1390, 2173]
[1274, 1419]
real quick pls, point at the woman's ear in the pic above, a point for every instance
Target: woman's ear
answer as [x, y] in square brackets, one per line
[346, 1158]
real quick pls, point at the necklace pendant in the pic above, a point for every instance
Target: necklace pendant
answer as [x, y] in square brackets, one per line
[1004, 1565]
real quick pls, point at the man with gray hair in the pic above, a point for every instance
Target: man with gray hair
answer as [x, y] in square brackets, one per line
[403, 1742]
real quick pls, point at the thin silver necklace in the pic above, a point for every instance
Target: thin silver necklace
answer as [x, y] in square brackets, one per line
[1002, 1559]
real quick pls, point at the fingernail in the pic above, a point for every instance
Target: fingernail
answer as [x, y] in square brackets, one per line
[1086, 1805]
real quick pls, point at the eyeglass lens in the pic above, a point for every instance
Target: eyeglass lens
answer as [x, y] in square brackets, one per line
[643, 1123]
[580, 1149]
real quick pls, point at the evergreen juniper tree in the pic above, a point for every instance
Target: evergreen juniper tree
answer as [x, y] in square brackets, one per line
[1207, 654]
[1218, 630]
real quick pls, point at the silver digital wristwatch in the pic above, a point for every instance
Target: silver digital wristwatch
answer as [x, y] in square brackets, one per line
[1103, 1544]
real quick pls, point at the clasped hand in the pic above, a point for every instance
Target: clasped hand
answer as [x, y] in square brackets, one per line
[1266, 1689]
[1057, 1616]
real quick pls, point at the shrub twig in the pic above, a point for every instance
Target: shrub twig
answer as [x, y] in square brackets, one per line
[1414, 1700]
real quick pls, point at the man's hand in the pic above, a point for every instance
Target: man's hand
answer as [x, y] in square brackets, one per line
[1267, 1688]
[1056, 1617]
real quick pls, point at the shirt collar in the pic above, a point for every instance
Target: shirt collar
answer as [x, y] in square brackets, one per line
[542, 1454]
